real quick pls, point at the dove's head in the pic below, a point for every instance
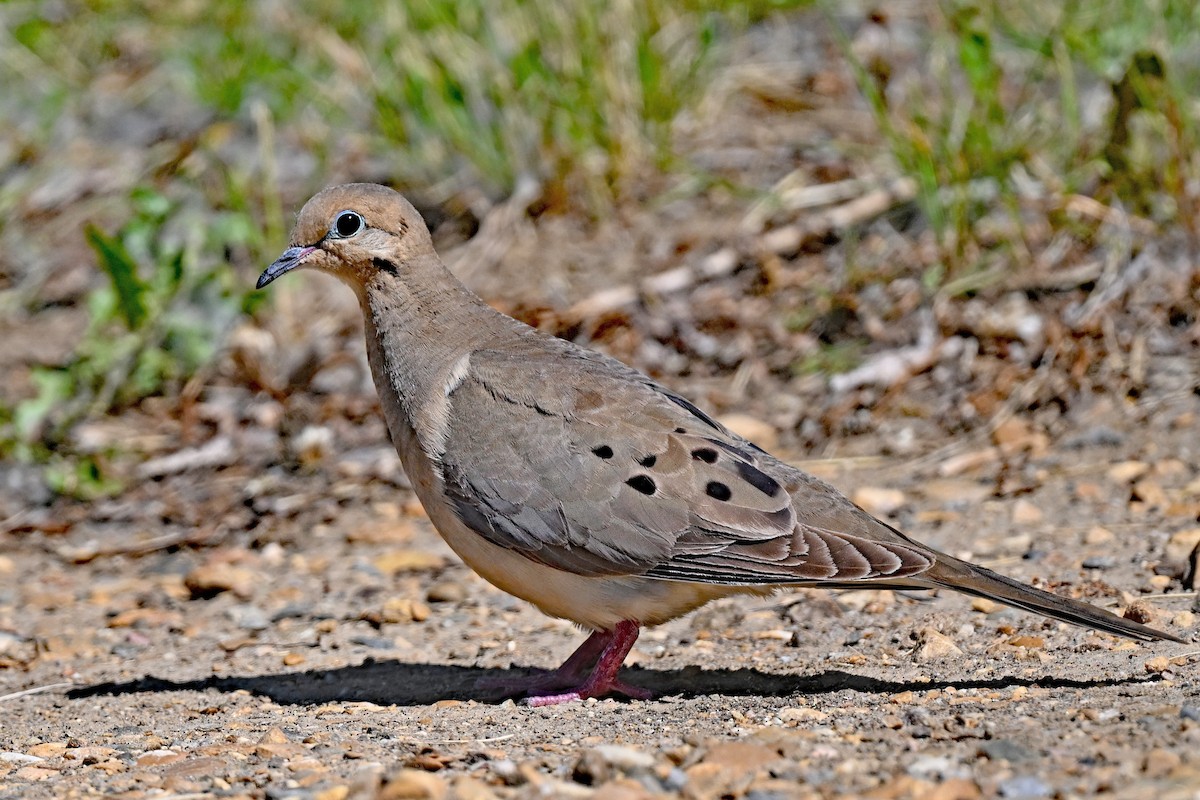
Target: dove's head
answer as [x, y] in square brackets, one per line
[354, 231]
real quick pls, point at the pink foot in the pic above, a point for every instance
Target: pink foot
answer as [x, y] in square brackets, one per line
[603, 678]
[575, 669]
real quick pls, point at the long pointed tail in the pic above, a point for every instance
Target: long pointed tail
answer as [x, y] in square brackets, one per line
[970, 579]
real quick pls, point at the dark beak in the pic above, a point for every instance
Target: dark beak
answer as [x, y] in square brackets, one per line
[291, 258]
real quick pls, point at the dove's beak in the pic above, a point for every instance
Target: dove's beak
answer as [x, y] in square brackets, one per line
[290, 259]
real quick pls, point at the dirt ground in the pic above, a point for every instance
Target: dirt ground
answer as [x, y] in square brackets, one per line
[265, 612]
[285, 623]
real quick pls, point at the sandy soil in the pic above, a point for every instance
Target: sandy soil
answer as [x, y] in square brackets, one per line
[309, 632]
[265, 612]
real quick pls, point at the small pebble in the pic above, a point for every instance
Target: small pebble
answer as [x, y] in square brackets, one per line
[1006, 750]
[936, 645]
[249, 618]
[1099, 562]
[18, 758]
[1026, 513]
[932, 768]
[446, 592]
[1023, 786]
[675, 781]
[1181, 544]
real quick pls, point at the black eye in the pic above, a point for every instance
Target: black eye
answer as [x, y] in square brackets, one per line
[346, 224]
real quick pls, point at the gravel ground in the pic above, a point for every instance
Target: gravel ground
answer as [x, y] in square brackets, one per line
[265, 612]
[339, 644]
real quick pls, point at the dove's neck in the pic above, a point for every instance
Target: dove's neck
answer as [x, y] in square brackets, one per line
[421, 326]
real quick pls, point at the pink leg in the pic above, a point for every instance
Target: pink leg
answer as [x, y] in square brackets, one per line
[572, 671]
[603, 678]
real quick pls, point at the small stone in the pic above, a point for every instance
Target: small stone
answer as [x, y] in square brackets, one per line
[1158, 664]
[1127, 471]
[210, 580]
[705, 780]
[250, 618]
[984, 605]
[400, 610]
[605, 762]
[932, 767]
[292, 659]
[35, 773]
[802, 714]
[507, 770]
[1024, 786]
[413, 784]
[312, 444]
[1098, 535]
[1190, 712]
[156, 758]
[9, 757]
[740, 755]
[110, 765]
[1026, 513]
[1151, 493]
[1183, 619]
[1159, 763]
[48, 750]
[274, 736]
[879, 501]
[1181, 544]
[954, 789]
[1140, 612]
[91, 754]
[1099, 562]
[398, 561]
[1028, 642]
[465, 787]
[935, 645]
[1016, 435]
[446, 592]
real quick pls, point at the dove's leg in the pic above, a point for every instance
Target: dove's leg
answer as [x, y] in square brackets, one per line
[572, 671]
[603, 679]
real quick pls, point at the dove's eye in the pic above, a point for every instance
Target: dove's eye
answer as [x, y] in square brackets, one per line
[346, 224]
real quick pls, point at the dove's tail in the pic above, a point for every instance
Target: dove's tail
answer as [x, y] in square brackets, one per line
[960, 576]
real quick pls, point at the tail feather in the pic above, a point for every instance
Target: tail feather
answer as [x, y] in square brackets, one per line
[971, 579]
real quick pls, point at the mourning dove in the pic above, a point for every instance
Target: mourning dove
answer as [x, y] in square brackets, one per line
[577, 483]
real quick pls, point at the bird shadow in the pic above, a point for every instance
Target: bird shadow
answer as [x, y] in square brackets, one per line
[403, 684]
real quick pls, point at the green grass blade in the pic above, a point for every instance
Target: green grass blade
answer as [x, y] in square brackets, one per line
[122, 271]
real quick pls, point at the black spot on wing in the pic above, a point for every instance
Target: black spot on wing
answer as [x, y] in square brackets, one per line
[687, 406]
[642, 483]
[758, 479]
[718, 491]
[649, 461]
[705, 454]
[603, 451]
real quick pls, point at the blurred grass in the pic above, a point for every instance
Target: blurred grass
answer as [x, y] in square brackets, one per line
[1007, 99]
[453, 92]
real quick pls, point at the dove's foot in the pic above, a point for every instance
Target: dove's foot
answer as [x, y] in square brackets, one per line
[614, 646]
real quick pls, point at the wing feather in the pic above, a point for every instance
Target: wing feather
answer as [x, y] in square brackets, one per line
[615, 475]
